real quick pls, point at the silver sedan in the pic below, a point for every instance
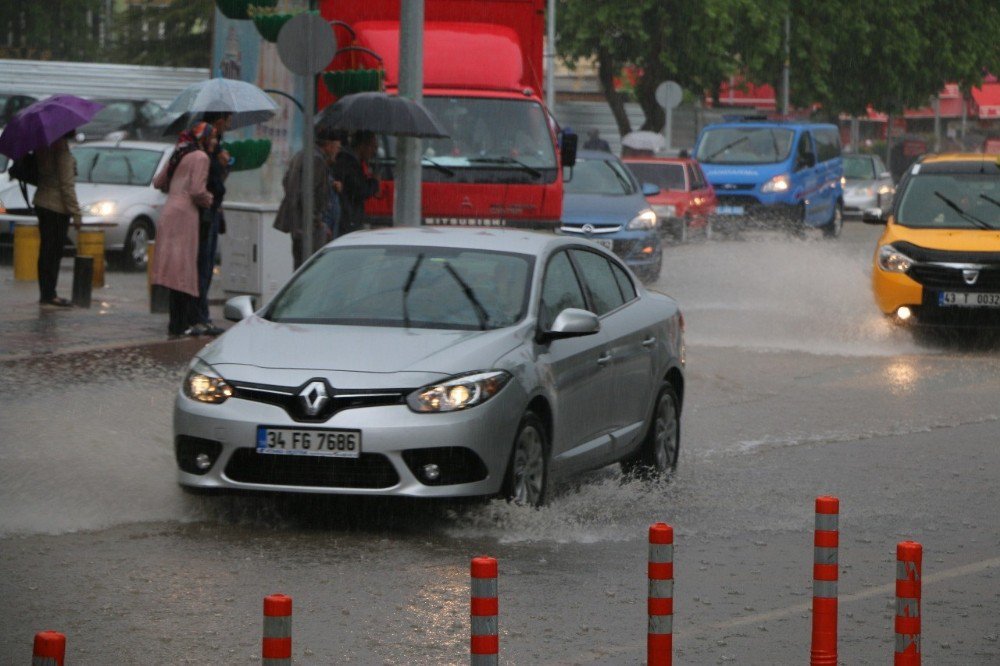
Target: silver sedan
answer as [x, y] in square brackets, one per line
[867, 184]
[437, 362]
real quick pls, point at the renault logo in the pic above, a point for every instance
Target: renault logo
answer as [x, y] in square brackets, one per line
[314, 397]
[970, 275]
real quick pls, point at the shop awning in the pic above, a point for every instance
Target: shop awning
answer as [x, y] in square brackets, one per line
[987, 100]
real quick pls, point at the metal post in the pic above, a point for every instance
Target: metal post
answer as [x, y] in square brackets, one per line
[668, 128]
[308, 148]
[550, 57]
[936, 102]
[785, 69]
[407, 205]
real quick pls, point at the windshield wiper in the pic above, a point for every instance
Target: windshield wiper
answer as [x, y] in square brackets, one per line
[967, 216]
[990, 199]
[411, 276]
[535, 173]
[481, 313]
[726, 147]
[440, 167]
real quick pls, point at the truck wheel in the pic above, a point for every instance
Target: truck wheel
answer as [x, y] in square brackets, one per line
[135, 252]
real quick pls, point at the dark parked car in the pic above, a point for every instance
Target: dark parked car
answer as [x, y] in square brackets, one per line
[127, 119]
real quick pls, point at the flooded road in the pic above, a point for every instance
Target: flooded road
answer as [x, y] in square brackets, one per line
[796, 387]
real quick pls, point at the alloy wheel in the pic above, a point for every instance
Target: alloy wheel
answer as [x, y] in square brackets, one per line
[529, 467]
[665, 434]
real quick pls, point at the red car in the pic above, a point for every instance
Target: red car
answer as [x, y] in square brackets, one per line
[686, 198]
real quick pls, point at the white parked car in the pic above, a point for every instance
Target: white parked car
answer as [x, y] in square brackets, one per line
[114, 187]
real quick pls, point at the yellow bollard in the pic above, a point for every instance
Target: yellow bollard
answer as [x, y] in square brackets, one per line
[26, 245]
[90, 243]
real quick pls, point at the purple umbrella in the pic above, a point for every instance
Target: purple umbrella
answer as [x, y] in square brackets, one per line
[39, 125]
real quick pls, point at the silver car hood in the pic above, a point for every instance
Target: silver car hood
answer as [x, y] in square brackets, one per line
[260, 343]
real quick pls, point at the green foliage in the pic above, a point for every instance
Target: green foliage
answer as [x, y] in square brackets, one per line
[248, 154]
[50, 30]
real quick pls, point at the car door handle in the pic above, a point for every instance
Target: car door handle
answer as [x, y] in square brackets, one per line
[649, 342]
[604, 359]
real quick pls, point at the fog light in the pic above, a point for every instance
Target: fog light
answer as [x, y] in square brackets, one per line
[202, 461]
[431, 472]
[904, 313]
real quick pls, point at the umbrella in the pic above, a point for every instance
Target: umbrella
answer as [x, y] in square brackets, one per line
[248, 103]
[40, 124]
[643, 140]
[381, 113]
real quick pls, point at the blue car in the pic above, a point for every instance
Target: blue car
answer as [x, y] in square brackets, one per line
[603, 202]
[774, 173]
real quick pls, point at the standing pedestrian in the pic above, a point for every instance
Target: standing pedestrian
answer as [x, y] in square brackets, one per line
[214, 222]
[55, 205]
[175, 262]
[331, 215]
[289, 216]
[595, 142]
[352, 169]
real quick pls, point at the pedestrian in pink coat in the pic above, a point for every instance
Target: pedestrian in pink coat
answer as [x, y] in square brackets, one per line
[175, 262]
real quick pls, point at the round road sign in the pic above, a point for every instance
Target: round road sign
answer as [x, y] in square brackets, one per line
[306, 44]
[669, 94]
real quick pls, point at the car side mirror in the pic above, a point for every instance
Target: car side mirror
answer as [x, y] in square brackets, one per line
[874, 216]
[238, 308]
[567, 149]
[884, 175]
[572, 323]
[650, 190]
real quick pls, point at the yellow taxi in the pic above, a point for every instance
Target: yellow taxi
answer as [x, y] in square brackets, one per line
[938, 260]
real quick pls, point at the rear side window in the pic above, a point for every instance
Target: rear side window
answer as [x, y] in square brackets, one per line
[804, 148]
[560, 290]
[596, 273]
[624, 283]
[827, 144]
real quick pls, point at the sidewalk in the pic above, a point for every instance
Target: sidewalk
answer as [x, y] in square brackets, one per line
[118, 316]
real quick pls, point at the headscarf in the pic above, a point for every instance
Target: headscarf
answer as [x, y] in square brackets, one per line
[189, 141]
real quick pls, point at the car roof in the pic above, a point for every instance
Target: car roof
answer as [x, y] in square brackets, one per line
[786, 124]
[658, 160]
[959, 163]
[139, 145]
[520, 241]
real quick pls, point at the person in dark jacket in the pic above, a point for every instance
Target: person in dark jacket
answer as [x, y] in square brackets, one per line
[351, 168]
[595, 142]
[55, 205]
[214, 222]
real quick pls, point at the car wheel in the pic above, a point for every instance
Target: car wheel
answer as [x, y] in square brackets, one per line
[659, 451]
[527, 471]
[836, 223]
[136, 248]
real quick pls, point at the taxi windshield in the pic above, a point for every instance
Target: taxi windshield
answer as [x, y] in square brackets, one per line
[951, 201]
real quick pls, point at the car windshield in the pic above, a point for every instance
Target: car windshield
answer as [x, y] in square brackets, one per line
[416, 287]
[599, 177]
[666, 176]
[857, 167]
[745, 145]
[115, 166]
[475, 151]
[951, 201]
[114, 113]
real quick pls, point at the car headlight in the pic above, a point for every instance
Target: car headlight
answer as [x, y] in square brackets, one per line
[101, 208]
[779, 183]
[204, 384]
[644, 220]
[459, 392]
[665, 210]
[885, 189]
[892, 260]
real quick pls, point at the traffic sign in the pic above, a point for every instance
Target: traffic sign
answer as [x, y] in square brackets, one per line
[306, 44]
[669, 94]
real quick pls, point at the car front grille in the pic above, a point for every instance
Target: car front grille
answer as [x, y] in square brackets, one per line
[949, 278]
[744, 200]
[289, 399]
[370, 470]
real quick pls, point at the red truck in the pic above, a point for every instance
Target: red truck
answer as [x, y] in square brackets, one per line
[502, 163]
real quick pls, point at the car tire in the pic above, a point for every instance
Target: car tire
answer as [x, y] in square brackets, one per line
[659, 451]
[833, 228]
[135, 251]
[527, 474]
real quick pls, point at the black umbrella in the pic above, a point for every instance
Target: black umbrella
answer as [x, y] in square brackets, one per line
[381, 113]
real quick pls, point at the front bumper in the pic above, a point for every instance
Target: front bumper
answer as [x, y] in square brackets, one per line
[896, 290]
[390, 435]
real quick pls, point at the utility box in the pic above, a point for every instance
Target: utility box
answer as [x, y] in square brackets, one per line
[256, 258]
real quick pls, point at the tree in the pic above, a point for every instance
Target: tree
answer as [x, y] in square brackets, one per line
[52, 30]
[176, 34]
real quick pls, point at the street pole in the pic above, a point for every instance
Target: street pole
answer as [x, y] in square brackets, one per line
[784, 71]
[407, 204]
[308, 148]
[936, 102]
[550, 58]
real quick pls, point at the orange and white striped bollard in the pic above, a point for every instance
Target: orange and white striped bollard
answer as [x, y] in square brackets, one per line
[660, 634]
[485, 644]
[49, 649]
[909, 557]
[277, 646]
[824, 616]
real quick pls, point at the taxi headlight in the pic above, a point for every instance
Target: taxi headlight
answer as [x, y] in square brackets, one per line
[779, 183]
[892, 260]
[100, 208]
[644, 220]
[459, 392]
[204, 384]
